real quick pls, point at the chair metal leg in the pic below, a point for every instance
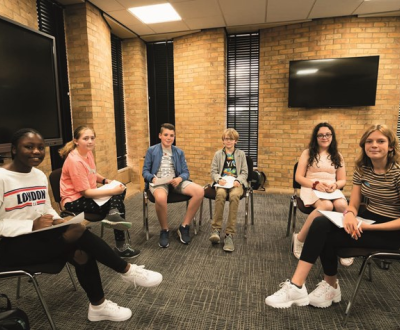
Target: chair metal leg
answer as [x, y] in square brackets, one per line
[18, 295]
[294, 217]
[210, 208]
[246, 214]
[194, 220]
[146, 215]
[128, 236]
[43, 302]
[360, 276]
[289, 217]
[252, 206]
[201, 213]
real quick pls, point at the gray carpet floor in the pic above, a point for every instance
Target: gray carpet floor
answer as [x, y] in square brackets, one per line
[207, 288]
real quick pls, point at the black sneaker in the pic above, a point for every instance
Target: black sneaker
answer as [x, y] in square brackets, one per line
[183, 234]
[127, 251]
[164, 238]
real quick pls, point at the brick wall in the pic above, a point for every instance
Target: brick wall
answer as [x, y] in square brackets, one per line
[90, 74]
[200, 98]
[136, 104]
[21, 11]
[284, 132]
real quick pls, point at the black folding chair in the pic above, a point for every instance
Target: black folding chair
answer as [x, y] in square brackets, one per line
[296, 203]
[173, 197]
[32, 271]
[368, 254]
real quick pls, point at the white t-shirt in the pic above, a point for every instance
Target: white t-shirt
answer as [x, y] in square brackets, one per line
[23, 198]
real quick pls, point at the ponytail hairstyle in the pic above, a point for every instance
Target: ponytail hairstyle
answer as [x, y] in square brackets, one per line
[70, 146]
[393, 155]
[313, 147]
[18, 135]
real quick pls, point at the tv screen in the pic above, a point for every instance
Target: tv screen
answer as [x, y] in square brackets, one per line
[336, 82]
[28, 83]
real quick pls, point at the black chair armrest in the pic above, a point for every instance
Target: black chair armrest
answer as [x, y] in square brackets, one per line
[66, 213]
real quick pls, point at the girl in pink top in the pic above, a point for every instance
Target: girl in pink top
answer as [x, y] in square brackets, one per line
[78, 188]
[321, 167]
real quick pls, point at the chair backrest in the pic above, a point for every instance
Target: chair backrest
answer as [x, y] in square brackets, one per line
[250, 167]
[296, 185]
[54, 179]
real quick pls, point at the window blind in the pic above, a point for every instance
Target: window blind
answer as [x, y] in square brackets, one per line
[243, 76]
[119, 108]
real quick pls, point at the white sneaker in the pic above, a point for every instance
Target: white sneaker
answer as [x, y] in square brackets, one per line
[297, 246]
[287, 296]
[324, 294]
[346, 261]
[108, 311]
[142, 277]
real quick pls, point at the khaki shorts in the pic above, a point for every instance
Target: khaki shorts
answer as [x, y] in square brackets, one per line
[179, 189]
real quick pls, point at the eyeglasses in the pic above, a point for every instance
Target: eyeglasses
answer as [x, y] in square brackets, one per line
[324, 136]
[228, 139]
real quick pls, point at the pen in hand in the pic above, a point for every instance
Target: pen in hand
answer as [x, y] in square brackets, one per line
[354, 234]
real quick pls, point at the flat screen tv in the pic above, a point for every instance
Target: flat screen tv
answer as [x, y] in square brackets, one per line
[28, 83]
[336, 82]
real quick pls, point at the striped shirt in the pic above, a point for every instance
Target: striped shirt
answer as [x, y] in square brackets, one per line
[382, 190]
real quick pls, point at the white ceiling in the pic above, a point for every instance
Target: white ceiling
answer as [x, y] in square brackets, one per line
[235, 15]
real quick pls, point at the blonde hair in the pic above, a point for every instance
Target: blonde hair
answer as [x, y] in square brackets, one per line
[230, 133]
[393, 155]
[69, 146]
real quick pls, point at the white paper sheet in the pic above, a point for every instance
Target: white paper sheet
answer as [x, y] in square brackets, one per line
[337, 218]
[78, 219]
[160, 181]
[102, 200]
[334, 195]
[229, 182]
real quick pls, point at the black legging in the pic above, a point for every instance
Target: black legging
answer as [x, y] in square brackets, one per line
[50, 245]
[84, 204]
[324, 238]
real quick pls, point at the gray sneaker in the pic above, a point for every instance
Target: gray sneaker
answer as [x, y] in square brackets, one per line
[114, 220]
[228, 244]
[215, 238]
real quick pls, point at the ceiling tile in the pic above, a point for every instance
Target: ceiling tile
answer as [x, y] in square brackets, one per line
[329, 8]
[139, 3]
[106, 5]
[198, 8]
[125, 17]
[237, 12]
[169, 27]
[141, 29]
[379, 6]
[209, 22]
[288, 10]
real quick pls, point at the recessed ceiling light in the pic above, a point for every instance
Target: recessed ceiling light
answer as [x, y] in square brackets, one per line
[156, 13]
